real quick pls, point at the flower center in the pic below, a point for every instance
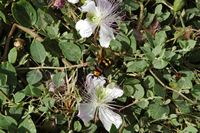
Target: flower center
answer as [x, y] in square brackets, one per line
[100, 94]
[94, 18]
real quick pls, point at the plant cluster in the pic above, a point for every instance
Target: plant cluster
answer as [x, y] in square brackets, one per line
[100, 66]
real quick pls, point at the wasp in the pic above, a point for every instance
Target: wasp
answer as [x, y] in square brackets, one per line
[102, 63]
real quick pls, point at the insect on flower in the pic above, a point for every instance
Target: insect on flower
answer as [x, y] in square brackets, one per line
[101, 15]
[102, 63]
[98, 102]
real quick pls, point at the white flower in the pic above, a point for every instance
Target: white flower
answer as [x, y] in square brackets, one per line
[99, 101]
[73, 1]
[102, 15]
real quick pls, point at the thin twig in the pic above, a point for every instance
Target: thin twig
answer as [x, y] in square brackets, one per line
[129, 105]
[27, 30]
[169, 88]
[6, 48]
[49, 67]
[31, 32]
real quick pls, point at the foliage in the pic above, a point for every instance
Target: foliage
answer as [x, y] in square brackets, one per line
[155, 60]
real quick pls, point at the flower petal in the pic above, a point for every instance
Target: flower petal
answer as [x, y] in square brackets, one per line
[108, 117]
[73, 1]
[89, 6]
[92, 82]
[85, 28]
[113, 92]
[86, 112]
[105, 35]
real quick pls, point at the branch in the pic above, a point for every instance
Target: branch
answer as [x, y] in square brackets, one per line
[129, 105]
[49, 67]
[27, 30]
[169, 88]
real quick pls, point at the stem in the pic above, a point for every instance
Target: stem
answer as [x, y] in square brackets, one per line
[169, 88]
[129, 105]
[49, 67]
[6, 48]
[30, 32]
[27, 30]
[182, 22]
[141, 17]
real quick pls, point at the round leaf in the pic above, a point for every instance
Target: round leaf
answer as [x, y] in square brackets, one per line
[58, 79]
[24, 13]
[137, 66]
[33, 76]
[139, 91]
[8, 123]
[157, 111]
[12, 56]
[70, 50]
[32, 91]
[27, 126]
[38, 51]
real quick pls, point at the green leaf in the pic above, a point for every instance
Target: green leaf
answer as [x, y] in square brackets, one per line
[137, 66]
[159, 63]
[3, 79]
[190, 129]
[187, 45]
[61, 119]
[38, 51]
[53, 30]
[139, 91]
[2, 16]
[133, 44]
[157, 111]
[24, 13]
[147, 51]
[32, 91]
[150, 39]
[58, 79]
[178, 5]
[70, 50]
[128, 90]
[44, 18]
[1, 131]
[77, 126]
[8, 123]
[196, 91]
[12, 55]
[184, 83]
[143, 103]
[115, 45]
[92, 128]
[160, 38]
[149, 19]
[48, 102]
[19, 96]
[182, 106]
[33, 76]
[128, 86]
[8, 69]
[149, 82]
[159, 90]
[27, 126]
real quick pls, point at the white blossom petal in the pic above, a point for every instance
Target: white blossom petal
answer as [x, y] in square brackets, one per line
[73, 1]
[113, 92]
[86, 112]
[108, 117]
[105, 35]
[92, 82]
[89, 6]
[85, 28]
